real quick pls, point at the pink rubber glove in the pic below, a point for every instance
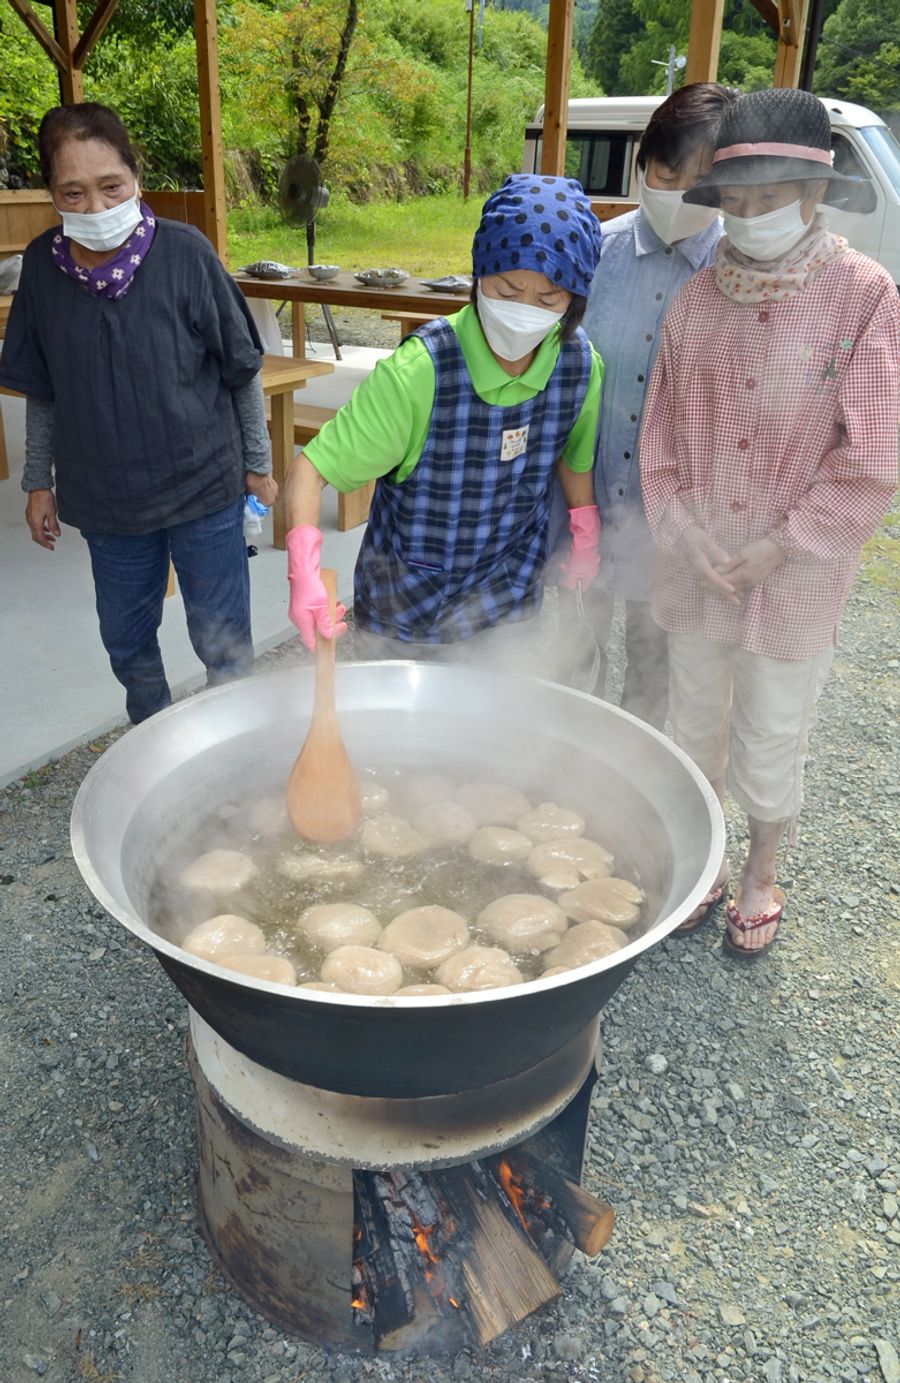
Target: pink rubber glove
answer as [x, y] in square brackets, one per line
[308, 608]
[583, 561]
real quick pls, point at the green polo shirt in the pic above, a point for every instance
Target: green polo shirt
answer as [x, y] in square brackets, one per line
[382, 430]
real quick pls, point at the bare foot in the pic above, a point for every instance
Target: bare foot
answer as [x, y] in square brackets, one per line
[754, 901]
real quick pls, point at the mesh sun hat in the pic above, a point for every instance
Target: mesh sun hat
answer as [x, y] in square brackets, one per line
[772, 136]
[540, 223]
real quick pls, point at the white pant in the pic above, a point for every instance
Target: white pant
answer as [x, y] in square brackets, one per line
[746, 719]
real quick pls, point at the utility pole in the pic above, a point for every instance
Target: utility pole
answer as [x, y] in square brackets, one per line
[674, 63]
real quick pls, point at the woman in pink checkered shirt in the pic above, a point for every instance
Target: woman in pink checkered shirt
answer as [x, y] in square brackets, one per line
[768, 457]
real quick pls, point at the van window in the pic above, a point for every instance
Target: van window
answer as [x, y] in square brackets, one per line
[846, 160]
[600, 161]
[859, 195]
[883, 144]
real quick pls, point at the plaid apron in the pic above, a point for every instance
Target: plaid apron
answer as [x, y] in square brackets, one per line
[461, 544]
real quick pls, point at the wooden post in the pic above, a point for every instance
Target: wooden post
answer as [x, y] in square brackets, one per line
[560, 23]
[298, 329]
[703, 41]
[467, 155]
[282, 456]
[65, 23]
[791, 36]
[210, 123]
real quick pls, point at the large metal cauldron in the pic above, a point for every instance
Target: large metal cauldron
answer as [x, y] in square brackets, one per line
[640, 794]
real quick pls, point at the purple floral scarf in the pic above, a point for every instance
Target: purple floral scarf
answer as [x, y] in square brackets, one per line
[113, 279]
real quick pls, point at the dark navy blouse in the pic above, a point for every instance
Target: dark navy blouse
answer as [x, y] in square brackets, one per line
[145, 429]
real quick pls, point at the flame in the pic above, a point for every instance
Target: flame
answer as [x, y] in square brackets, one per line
[358, 1301]
[422, 1234]
[512, 1185]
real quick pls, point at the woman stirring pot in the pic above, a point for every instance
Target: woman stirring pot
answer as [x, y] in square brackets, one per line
[464, 428]
[145, 423]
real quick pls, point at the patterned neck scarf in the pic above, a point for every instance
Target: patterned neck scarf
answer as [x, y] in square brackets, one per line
[744, 281]
[113, 279]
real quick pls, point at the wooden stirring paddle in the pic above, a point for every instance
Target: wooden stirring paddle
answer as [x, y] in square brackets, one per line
[323, 798]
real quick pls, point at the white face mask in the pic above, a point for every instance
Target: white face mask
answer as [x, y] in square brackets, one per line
[511, 329]
[103, 230]
[671, 216]
[768, 236]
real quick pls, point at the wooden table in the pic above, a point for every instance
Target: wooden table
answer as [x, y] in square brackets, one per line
[345, 291]
[281, 375]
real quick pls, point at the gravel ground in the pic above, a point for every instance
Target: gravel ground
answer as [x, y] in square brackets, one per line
[745, 1128]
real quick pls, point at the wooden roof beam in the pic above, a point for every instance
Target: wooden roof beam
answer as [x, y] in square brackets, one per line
[791, 42]
[786, 19]
[769, 11]
[96, 27]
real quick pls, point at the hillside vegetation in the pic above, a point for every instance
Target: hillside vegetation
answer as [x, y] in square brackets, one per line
[398, 123]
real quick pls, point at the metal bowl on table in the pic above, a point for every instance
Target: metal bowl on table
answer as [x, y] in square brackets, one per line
[323, 272]
[450, 283]
[381, 278]
[642, 796]
[269, 269]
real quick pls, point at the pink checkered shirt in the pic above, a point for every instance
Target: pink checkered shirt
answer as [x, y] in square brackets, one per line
[773, 419]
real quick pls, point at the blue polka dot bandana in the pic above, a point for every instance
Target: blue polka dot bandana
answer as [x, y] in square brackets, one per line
[542, 223]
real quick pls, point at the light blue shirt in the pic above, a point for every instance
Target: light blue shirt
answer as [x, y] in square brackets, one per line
[636, 281]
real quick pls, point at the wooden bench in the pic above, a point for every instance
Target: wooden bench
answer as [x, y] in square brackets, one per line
[308, 420]
[353, 507]
[410, 320]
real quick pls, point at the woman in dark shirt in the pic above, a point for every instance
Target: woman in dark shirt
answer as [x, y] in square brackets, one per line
[145, 424]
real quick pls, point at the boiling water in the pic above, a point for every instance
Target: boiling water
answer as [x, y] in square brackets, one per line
[447, 875]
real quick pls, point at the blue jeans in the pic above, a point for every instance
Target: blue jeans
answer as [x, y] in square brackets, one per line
[130, 577]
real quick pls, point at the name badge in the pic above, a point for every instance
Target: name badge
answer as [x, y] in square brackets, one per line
[513, 443]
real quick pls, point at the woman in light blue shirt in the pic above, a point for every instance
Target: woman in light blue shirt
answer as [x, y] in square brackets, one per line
[647, 255]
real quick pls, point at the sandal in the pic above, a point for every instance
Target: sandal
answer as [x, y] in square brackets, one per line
[735, 919]
[712, 901]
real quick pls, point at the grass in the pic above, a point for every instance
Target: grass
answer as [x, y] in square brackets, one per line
[881, 555]
[38, 776]
[428, 236]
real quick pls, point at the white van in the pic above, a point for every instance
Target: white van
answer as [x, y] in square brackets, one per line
[604, 133]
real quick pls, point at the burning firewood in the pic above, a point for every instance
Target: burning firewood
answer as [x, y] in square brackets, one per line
[539, 1192]
[443, 1256]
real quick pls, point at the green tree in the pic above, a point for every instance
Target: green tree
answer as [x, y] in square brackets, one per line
[152, 83]
[859, 55]
[631, 38]
[747, 61]
[616, 27]
[135, 18]
[28, 87]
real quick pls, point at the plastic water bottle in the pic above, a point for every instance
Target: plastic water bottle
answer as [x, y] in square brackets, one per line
[254, 513]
